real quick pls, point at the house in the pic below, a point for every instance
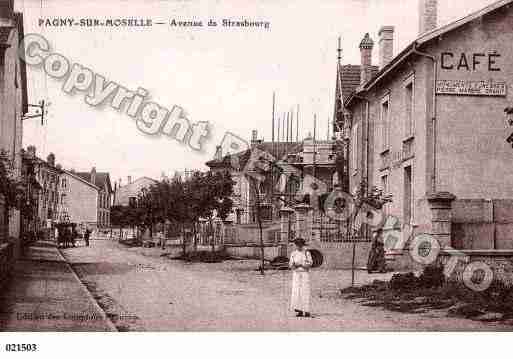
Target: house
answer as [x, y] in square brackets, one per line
[127, 194]
[100, 180]
[244, 191]
[47, 175]
[14, 104]
[79, 200]
[429, 128]
[44, 185]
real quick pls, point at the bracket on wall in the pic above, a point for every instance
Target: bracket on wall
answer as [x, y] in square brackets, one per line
[41, 111]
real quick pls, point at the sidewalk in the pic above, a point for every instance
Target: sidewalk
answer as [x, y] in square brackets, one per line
[46, 295]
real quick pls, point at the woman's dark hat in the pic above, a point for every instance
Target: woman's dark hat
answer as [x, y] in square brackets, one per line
[299, 241]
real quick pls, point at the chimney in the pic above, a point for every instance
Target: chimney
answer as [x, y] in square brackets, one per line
[427, 15]
[7, 13]
[129, 178]
[93, 175]
[386, 45]
[366, 46]
[51, 160]
[120, 182]
[219, 153]
[254, 136]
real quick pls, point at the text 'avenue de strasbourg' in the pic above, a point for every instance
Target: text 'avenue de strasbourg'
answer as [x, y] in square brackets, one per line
[235, 23]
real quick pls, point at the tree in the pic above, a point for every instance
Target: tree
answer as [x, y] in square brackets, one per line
[119, 217]
[151, 206]
[374, 198]
[13, 190]
[216, 198]
[255, 186]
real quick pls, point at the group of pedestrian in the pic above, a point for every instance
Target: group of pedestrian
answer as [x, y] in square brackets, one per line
[301, 262]
[67, 235]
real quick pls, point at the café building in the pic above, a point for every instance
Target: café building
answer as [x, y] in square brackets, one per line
[430, 129]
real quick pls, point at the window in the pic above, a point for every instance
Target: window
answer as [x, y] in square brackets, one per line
[385, 124]
[63, 183]
[63, 197]
[409, 105]
[354, 148]
[407, 195]
[131, 201]
[384, 187]
[384, 184]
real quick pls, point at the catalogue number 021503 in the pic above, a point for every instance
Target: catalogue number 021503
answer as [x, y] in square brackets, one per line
[21, 347]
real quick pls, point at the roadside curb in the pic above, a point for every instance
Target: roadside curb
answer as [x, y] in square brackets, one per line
[104, 316]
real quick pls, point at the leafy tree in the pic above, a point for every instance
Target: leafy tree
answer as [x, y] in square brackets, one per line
[13, 190]
[119, 216]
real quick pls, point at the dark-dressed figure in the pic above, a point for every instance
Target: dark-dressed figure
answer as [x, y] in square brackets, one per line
[376, 262]
[87, 235]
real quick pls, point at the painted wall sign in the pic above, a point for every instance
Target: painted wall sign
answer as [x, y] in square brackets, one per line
[470, 62]
[471, 88]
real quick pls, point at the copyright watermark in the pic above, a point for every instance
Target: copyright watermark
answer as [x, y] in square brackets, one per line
[150, 117]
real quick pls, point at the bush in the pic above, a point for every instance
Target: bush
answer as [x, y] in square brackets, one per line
[432, 277]
[204, 256]
[404, 281]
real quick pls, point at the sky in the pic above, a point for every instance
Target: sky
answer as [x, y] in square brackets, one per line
[224, 76]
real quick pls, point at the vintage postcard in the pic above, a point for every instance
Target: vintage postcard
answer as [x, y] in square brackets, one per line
[255, 166]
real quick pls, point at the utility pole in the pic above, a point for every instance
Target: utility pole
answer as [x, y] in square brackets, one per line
[314, 145]
[297, 124]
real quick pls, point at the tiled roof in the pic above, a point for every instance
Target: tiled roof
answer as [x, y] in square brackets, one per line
[350, 78]
[100, 179]
[277, 149]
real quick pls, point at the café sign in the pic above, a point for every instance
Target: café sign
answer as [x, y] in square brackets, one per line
[471, 88]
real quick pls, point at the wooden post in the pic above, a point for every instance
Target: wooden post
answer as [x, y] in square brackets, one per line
[352, 263]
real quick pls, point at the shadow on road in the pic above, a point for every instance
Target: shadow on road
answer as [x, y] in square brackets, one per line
[103, 268]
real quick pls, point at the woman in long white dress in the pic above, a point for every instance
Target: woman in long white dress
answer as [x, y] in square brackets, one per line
[300, 263]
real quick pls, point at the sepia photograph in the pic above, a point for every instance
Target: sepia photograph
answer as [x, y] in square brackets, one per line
[230, 166]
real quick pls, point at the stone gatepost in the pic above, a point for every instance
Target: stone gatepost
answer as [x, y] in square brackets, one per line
[440, 205]
[227, 231]
[303, 225]
[285, 235]
[285, 213]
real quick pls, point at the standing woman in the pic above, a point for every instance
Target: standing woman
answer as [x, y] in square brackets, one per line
[300, 263]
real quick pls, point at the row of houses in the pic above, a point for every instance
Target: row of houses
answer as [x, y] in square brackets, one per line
[425, 125]
[60, 195]
[53, 193]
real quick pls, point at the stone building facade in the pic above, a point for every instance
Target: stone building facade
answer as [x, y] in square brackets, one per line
[101, 180]
[48, 176]
[13, 95]
[80, 199]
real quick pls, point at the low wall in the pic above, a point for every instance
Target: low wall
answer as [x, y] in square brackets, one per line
[337, 255]
[250, 233]
[6, 262]
[500, 261]
[253, 251]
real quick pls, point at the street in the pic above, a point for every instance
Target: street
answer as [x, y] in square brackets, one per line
[142, 290]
